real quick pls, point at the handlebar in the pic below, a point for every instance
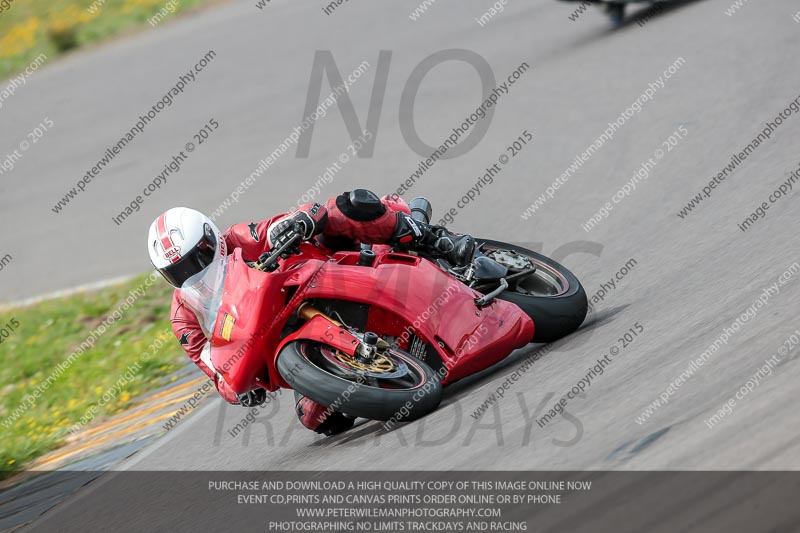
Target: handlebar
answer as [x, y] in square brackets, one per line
[270, 262]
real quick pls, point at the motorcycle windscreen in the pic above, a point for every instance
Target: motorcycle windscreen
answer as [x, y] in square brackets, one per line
[202, 293]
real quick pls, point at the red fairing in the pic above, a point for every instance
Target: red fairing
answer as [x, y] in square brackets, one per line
[255, 309]
[322, 330]
[253, 301]
[407, 294]
[403, 289]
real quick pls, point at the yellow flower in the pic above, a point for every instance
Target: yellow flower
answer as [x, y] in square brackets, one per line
[19, 39]
[66, 18]
[11, 462]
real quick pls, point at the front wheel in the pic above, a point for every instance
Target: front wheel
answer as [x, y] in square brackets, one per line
[552, 296]
[393, 386]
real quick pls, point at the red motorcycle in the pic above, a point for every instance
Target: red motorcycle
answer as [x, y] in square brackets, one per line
[377, 333]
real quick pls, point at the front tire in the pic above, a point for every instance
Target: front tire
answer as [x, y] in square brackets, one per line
[319, 372]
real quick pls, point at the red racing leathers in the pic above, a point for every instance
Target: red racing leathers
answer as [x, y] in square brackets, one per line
[375, 225]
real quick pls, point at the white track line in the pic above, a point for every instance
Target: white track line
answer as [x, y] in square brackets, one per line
[89, 287]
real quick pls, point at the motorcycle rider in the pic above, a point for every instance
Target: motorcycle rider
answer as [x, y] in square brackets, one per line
[183, 242]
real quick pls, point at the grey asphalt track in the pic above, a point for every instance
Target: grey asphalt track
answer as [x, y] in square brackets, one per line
[693, 277]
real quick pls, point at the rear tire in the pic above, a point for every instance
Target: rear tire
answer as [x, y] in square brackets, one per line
[302, 366]
[554, 316]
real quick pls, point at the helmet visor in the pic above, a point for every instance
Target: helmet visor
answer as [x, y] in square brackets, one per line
[195, 261]
[202, 293]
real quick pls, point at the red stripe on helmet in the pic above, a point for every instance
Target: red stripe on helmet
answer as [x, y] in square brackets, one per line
[166, 240]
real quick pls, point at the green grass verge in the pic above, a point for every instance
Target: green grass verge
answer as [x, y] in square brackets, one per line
[29, 28]
[36, 339]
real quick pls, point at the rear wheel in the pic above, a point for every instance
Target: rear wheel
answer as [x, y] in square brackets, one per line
[552, 296]
[392, 386]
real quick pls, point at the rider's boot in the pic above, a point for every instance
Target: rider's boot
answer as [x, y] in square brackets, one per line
[435, 241]
[319, 418]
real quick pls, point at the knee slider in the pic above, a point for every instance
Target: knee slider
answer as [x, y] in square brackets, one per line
[360, 205]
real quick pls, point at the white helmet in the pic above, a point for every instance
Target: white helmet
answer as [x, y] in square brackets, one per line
[182, 242]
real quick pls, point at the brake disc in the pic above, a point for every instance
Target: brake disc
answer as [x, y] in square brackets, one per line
[381, 367]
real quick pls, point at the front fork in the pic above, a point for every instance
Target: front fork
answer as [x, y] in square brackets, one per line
[363, 349]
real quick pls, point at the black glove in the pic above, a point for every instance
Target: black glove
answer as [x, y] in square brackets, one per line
[307, 223]
[253, 398]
